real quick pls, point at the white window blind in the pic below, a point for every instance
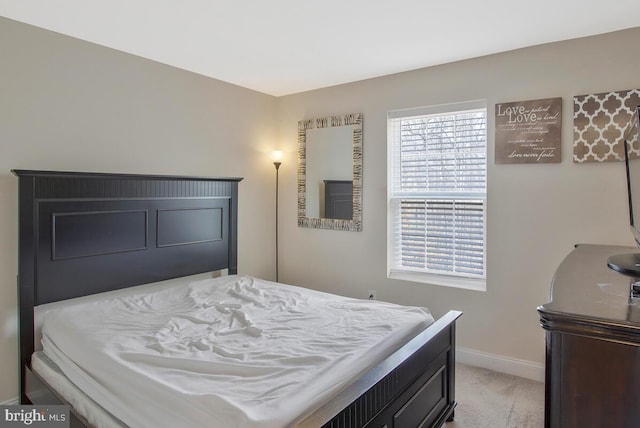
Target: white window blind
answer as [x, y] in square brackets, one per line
[437, 192]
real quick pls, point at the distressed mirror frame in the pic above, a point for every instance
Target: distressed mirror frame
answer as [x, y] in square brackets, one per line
[355, 224]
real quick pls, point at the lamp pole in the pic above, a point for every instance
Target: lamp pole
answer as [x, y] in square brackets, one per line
[277, 165]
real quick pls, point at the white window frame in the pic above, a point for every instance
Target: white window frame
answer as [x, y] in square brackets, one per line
[423, 275]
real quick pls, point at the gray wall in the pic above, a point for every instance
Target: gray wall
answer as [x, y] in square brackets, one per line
[536, 213]
[70, 105]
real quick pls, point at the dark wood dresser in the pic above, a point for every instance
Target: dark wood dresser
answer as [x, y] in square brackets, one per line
[592, 327]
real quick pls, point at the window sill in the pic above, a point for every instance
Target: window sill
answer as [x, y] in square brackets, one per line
[474, 284]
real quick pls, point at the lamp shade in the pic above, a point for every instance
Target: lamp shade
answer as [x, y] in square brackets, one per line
[276, 155]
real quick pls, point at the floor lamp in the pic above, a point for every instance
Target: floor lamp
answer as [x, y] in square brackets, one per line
[277, 157]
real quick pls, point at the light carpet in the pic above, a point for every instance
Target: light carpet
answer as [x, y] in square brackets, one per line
[496, 400]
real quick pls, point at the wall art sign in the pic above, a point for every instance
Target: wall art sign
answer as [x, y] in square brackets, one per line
[599, 122]
[529, 131]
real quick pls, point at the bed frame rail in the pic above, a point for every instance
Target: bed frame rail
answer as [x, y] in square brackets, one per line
[413, 387]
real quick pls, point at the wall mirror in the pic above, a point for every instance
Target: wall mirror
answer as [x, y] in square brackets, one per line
[330, 172]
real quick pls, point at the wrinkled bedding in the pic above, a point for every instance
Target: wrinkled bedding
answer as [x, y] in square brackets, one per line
[233, 351]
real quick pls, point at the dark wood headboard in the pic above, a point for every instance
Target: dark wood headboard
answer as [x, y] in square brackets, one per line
[86, 233]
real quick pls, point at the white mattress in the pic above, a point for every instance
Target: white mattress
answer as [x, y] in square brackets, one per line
[94, 414]
[224, 352]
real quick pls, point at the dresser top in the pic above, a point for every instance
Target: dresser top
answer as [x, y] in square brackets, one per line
[586, 292]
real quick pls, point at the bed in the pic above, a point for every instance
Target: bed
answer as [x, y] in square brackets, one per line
[82, 234]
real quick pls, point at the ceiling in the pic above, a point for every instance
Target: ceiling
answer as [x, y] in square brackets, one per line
[282, 47]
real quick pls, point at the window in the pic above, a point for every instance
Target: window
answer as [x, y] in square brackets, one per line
[437, 194]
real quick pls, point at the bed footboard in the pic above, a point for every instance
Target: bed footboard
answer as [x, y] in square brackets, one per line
[414, 387]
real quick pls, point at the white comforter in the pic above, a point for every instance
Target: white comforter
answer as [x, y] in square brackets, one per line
[224, 352]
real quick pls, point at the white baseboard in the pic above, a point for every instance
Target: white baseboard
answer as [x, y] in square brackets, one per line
[12, 402]
[499, 363]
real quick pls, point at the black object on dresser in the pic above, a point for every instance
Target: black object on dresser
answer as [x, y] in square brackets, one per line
[592, 326]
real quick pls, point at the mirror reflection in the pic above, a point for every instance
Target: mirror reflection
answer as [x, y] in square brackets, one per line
[330, 172]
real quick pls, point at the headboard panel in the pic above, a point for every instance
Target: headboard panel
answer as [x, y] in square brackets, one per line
[86, 233]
